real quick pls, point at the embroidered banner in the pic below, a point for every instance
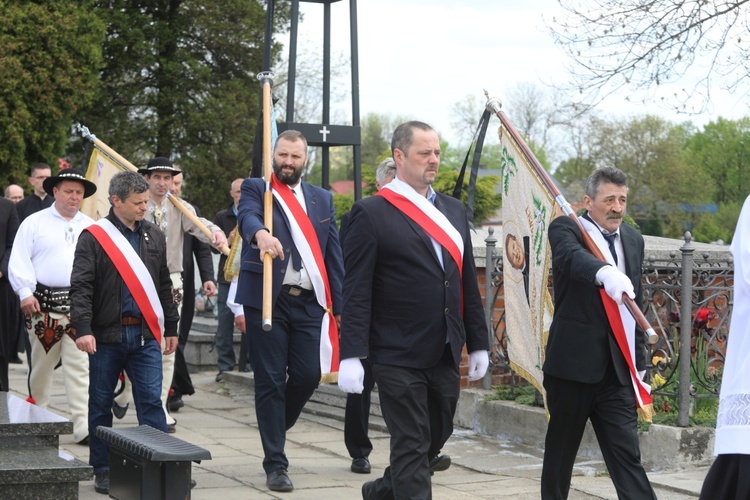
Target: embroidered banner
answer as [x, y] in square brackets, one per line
[527, 211]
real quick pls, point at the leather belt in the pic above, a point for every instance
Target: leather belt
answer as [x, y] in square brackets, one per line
[130, 321]
[53, 299]
[296, 291]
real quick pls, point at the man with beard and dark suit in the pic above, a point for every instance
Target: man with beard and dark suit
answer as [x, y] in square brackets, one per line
[300, 349]
[586, 375]
[411, 302]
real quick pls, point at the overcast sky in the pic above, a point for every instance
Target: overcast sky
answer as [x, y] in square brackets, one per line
[417, 58]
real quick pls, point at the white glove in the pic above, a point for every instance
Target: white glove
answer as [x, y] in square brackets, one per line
[478, 363]
[351, 376]
[615, 283]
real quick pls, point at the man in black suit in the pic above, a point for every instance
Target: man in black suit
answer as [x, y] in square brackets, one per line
[37, 200]
[586, 375]
[411, 302]
[9, 305]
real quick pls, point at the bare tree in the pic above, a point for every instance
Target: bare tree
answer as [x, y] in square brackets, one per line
[643, 44]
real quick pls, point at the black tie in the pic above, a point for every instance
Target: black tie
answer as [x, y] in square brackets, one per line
[611, 240]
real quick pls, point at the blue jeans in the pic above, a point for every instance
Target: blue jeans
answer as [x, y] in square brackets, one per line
[142, 363]
[224, 332]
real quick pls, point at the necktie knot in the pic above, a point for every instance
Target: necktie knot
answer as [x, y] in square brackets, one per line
[611, 241]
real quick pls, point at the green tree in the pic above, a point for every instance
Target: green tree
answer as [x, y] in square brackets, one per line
[50, 53]
[486, 200]
[722, 152]
[179, 81]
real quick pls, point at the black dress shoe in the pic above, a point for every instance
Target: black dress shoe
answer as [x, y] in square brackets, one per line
[119, 411]
[175, 403]
[84, 441]
[16, 361]
[101, 482]
[440, 463]
[193, 482]
[172, 428]
[368, 491]
[220, 376]
[360, 465]
[278, 480]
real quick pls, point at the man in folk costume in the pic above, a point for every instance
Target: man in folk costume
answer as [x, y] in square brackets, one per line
[596, 354]
[122, 305]
[174, 224]
[39, 270]
[411, 303]
[307, 276]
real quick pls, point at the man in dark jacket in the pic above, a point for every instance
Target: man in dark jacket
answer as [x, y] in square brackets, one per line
[227, 221]
[121, 304]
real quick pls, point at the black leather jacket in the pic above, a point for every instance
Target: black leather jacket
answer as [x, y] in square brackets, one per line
[96, 286]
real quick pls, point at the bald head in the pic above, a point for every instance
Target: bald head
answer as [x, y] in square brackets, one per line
[14, 193]
[236, 190]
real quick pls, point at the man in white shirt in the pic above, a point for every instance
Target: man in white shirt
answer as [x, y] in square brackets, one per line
[39, 271]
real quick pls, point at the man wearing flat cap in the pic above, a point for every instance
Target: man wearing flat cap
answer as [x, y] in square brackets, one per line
[39, 271]
[162, 212]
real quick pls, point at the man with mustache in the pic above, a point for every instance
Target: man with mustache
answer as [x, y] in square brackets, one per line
[586, 374]
[301, 347]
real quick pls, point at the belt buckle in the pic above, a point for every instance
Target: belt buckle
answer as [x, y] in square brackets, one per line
[294, 291]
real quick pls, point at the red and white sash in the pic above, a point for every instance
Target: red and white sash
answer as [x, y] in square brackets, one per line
[430, 219]
[306, 240]
[623, 326]
[133, 272]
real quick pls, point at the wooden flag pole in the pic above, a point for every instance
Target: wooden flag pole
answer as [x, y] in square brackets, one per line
[126, 164]
[266, 79]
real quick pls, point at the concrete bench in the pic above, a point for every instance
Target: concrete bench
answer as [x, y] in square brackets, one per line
[145, 463]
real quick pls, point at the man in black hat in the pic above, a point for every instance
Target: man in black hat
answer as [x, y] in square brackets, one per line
[39, 271]
[162, 212]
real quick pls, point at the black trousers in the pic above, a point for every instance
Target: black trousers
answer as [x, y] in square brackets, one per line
[181, 381]
[418, 408]
[728, 478]
[357, 417]
[286, 363]
[612, 410]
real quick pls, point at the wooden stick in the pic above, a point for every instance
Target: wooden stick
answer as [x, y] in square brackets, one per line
[175, 201]
[495, 105]
[266, 79]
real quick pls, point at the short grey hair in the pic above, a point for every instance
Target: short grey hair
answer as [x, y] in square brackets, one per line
[611, 175]
[125, 183]
[386, 169]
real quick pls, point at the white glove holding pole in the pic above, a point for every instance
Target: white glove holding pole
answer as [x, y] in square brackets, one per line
[351, 376]
[615, 283]
[479, 361]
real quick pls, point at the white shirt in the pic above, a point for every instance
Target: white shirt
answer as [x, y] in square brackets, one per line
[43, 250]
[291, 276]
[237, 309]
